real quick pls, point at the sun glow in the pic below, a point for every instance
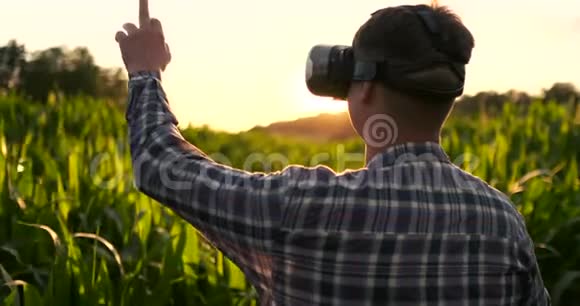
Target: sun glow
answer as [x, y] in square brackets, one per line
[311, 104]
[235, 77]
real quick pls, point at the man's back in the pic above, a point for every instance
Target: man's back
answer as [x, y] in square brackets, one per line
[411, 229]
[408, 229]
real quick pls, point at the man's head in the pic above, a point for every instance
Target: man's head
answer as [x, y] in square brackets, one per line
[399, 34]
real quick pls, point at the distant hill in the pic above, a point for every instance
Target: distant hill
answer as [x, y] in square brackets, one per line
[324, 127]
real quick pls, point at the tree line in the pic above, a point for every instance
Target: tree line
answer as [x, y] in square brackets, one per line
[64, 72]
[57, 71]
[491, 102]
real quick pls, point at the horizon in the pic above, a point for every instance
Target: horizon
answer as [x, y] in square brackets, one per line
[520, 45]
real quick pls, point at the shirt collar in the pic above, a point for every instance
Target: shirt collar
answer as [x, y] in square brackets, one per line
[409, 152]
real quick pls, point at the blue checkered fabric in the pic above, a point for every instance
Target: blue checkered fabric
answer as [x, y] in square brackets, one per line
[411, 228]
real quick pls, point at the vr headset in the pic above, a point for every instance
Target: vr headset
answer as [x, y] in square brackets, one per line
[331, 69]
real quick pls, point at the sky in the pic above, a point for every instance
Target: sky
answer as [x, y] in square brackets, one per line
[238, 64]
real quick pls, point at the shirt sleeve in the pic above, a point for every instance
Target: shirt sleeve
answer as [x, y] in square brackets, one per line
[236, 210]
[534, 293]
[539, 295]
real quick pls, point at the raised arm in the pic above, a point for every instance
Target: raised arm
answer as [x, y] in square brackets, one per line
[227, 205]
[237, 210]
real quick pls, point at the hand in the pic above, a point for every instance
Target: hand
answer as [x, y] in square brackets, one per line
[144, 48]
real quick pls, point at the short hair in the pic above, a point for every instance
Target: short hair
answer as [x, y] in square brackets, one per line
[398, 33]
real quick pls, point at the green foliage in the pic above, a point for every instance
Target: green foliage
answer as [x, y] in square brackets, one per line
[74, 231]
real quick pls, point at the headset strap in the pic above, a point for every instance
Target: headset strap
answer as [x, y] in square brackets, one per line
[391, 71]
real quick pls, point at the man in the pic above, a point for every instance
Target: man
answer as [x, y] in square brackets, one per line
[408, 229]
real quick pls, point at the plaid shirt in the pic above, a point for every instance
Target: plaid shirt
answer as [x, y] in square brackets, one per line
[409, 229]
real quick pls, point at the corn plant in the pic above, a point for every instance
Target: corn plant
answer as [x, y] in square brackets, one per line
[74, 231]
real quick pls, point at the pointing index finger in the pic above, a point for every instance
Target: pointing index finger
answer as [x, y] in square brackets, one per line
[143, 13]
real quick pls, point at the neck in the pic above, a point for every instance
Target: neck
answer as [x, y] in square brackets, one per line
[402, 138]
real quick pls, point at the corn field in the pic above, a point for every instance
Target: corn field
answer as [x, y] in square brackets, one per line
[74, 230]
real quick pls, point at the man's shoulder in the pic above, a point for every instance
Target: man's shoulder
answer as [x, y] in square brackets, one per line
[466, 181]
[473, 184]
